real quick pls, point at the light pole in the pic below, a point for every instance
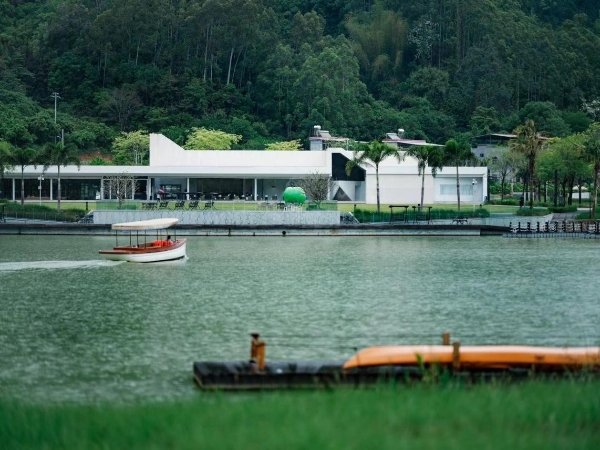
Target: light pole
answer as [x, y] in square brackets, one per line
[55, 96]
[41, 178]
[474, 183]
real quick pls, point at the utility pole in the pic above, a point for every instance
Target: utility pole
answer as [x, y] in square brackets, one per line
[56, 96]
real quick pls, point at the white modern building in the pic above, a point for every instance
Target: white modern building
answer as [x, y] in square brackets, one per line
[254, 175]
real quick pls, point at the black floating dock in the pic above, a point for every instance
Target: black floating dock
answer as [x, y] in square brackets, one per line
[236, 375]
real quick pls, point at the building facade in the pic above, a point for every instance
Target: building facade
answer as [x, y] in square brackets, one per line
[249, 175]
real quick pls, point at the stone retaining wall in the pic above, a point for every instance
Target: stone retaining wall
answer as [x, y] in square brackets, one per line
[233, 218]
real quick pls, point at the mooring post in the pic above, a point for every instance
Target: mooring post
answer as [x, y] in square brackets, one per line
[456, 356]
[446, 338]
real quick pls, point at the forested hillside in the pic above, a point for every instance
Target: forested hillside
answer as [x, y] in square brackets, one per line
[269, 70]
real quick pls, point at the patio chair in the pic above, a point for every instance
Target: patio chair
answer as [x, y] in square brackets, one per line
[163, 204]
[209, 205]
[193, 205]
[179, 204]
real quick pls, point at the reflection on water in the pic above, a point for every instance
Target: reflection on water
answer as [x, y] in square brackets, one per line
[83, 329]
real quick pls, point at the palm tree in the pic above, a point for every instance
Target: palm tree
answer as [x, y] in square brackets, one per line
[456, 152]
[22, 157]
[60, 155]
[5, 162]
[591, 154]
[373, 154]
[529, 143]
[426, 155]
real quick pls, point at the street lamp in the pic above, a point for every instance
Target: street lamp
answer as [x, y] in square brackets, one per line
[40, 178]
[474, 183]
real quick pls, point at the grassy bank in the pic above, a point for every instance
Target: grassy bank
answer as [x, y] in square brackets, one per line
[563, 414]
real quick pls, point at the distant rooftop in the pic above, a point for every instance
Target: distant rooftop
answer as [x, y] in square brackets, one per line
[324, 135]
[393, 138]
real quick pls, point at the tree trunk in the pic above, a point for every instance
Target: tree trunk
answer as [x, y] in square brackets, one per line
[595, 193]
[457, 187]
[531, 183]
[22, 185]
[459, 33]
[422, 190]
[377, 177]
[58, 190]
[206, 52]
[230, 62]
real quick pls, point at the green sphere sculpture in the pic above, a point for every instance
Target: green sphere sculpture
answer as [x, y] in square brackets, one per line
[294, 195]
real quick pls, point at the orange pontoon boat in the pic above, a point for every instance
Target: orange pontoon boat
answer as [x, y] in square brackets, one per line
[477, 357]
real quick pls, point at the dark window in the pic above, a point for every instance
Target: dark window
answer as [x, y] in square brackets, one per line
[338, 169]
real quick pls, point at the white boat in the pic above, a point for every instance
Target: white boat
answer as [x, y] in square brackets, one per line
[142, 250]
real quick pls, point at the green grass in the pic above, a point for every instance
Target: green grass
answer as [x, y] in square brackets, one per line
[530, 415]
[464, 207]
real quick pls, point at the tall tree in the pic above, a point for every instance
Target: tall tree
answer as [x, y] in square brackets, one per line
[318, 186]
[529, 143]
[23, 157]
[456, 152]
[426, 156]
[373, 155]
[121, 186]
[565, 156]
[505, 163]
[59, 155]
[591, 153]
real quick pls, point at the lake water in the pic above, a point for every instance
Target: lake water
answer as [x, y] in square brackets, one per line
[79, 329]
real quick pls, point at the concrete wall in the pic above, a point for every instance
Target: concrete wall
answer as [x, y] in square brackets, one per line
[248, 218]
[165, 153]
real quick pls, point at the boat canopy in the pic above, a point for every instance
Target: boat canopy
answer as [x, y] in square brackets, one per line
[153, 224]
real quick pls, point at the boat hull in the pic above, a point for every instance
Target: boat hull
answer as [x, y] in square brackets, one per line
[147, 254]
[491, 356]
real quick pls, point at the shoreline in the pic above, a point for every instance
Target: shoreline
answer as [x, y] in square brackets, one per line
[24, 228]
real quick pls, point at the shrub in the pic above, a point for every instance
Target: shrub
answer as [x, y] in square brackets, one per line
[510, 201]
[532, 212]
[562, 209]
[43, 212]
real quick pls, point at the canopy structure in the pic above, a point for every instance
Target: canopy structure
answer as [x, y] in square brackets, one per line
[153, 224]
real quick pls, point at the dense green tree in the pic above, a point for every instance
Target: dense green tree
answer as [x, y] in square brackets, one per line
[378, 37]
[203, 139]
[565, 157]
[352, 66]
[547, 118]
[529, 143]
[131, 149]
[285, 145]
[485, 120]
[431, 83]
[591, 154]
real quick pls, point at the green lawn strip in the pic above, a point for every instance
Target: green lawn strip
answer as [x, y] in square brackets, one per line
[563, 414]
